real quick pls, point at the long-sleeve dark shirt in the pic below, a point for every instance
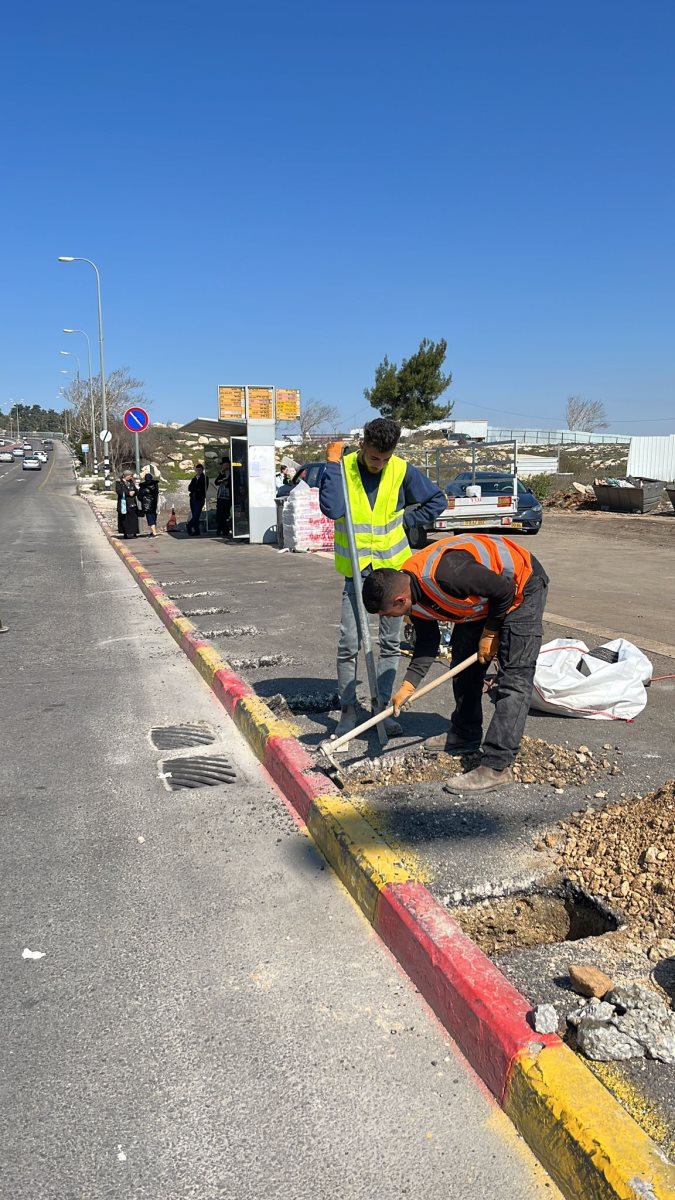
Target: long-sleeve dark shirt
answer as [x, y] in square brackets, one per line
[417, 489]
[197, 487]
[458, 574]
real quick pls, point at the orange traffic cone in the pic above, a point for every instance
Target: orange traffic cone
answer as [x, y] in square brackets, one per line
[172, 522]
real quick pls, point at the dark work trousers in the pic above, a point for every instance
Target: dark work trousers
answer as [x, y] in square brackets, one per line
[223, 517]
[520, 641]
[196, 507]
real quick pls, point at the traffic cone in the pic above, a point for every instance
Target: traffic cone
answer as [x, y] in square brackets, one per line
[172, 522]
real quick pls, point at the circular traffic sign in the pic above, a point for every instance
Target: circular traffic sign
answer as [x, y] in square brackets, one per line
[136, 419]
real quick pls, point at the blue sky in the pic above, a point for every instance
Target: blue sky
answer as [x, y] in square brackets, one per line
[285, 193]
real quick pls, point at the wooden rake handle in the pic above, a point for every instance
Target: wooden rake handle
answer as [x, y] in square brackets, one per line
[388, 712]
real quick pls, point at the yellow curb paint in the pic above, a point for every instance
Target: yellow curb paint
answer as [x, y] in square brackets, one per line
[258, 723]
[364, 863]
[587, 1143]
[378, 819]
[643, 1110]
[207, 662]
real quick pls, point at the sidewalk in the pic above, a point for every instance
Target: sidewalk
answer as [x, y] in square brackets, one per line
[274, 617]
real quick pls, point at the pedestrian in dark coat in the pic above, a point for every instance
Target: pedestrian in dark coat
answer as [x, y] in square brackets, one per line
[197, 489]
[148, 497]
[127, 505]
[223, 483]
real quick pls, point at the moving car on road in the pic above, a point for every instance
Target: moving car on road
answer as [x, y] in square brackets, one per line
[32, 464]
[6, 456]
[41, 455]
[17, 452]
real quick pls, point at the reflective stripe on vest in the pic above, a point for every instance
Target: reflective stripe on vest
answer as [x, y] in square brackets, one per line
[493, 553]
[378, 531]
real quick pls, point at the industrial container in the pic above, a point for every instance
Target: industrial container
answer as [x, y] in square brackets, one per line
[643, 498]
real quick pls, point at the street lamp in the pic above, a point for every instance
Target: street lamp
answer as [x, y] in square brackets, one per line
[94, 450]
[104, 406]
[69, 353]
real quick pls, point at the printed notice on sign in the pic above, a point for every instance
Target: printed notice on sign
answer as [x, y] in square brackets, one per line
[231, 404]
[261, 404]
[288, 404]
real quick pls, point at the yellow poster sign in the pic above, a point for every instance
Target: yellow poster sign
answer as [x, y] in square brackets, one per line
[288, 404]
[231, 404]
[261, 404]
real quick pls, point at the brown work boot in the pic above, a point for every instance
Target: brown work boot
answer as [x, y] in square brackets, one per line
[481, 779]
[450, 743]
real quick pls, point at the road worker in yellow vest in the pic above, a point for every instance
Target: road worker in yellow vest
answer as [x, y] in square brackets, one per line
[494, 592]
[387, 498]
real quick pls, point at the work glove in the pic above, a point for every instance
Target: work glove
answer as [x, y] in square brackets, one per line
[334, 451]
[488, 646]
[404, 693]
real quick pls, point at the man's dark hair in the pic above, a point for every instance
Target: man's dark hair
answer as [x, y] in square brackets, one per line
[199, 466]
[380, 588]
[382, 434]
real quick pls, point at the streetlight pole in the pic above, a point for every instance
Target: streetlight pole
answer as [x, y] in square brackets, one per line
[104, 406]
[69, 353]
[94, 448]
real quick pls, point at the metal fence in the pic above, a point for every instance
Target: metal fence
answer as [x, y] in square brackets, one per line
[553, 437]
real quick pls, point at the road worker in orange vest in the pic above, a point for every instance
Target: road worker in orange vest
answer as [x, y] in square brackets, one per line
[494, 593]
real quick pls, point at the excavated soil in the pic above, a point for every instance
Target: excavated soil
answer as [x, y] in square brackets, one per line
[537, 762]
[625, 853]
[534, 919]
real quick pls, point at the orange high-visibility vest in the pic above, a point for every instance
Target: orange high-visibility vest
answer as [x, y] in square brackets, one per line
[498, 554]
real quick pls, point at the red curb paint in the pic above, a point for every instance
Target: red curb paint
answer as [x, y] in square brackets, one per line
[480, 1009]
[295, 773]
[230, 689]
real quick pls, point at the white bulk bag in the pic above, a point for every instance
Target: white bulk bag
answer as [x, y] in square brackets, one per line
[305, 527]
[571, 682]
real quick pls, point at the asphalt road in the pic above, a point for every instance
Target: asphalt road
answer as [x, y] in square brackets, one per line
[212, 1016]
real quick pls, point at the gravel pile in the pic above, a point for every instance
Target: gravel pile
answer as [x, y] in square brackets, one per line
[537, 762]
[626, 853]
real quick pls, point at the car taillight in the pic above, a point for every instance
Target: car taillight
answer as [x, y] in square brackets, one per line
[451, 502]
[504, 501]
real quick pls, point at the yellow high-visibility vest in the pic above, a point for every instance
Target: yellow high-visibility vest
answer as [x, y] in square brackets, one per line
[380, 536]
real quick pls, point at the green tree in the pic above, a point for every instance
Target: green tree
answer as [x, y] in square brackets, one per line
[409, 393]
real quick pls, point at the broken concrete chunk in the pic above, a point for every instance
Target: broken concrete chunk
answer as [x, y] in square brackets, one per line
[634, 995]
[545, 1019]
[603, 1042]
[595, 1010]
[653, 1029]
[589, 981]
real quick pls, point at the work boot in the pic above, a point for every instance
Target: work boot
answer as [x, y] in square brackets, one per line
[451, 743]
[347, 721]
[481, 779]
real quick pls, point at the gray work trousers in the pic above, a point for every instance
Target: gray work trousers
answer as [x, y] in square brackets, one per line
[350, 643]
[520, 641]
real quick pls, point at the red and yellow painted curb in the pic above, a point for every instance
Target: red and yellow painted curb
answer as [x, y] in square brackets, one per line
[585, 1140]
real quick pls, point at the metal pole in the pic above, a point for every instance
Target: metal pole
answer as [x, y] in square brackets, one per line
[137, 451]
[361, 614]
[104, 406]
[91, 399]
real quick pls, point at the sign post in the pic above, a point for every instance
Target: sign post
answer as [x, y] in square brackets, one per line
[136, 420]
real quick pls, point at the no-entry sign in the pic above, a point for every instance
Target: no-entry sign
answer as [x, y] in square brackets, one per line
[136, 419]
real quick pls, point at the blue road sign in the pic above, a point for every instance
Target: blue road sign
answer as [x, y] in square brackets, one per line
[136, 419]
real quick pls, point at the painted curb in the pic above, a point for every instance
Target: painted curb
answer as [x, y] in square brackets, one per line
[582, 1136]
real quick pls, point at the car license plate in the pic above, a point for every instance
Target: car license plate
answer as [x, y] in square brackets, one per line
[516, 524]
